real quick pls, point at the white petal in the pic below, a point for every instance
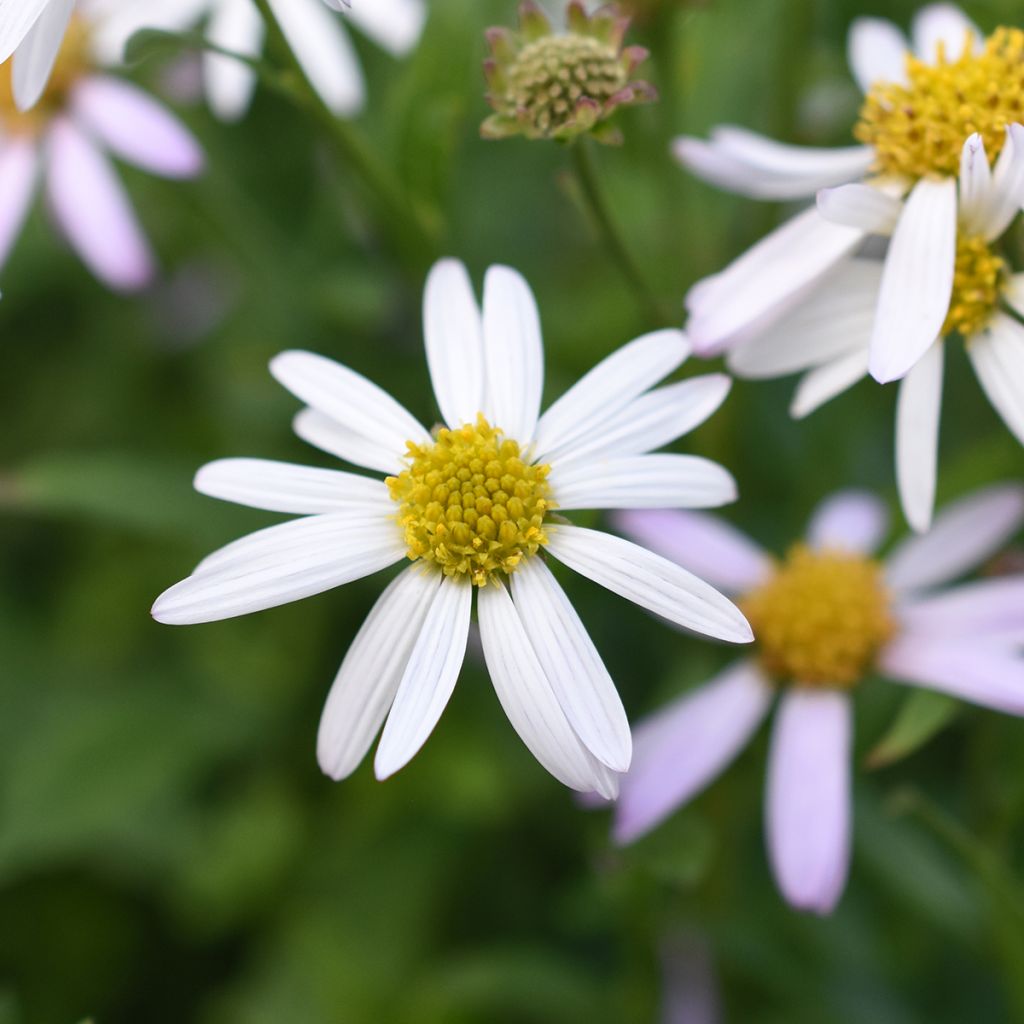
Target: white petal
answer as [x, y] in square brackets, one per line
[1014, 293]
[975, 185]
[918, 409]
[650, 581]
[854, 521]
[1006, 196]
[679, 750]
[763, 281]
[834, 320]
[808, 799]
[365, 685]
[322, 432]
[528, 699]
[298, 490]
[997, 354]
[279, 565]
[19, 168]
[16, 18]
[864, 207]
[642, 481]
[824, 383]
[513, 354]
[612, 384]
[393, 24]
[35, 57]
[323, 49]
[348, 398]
[964, 534]
[990, 612]
[574, 669]
[235, 25]
[453, 333]
[651, 421]
[961, 667]
[707, 546]
[947, 25]
[429, 677]
[877, 52]
[917, 281]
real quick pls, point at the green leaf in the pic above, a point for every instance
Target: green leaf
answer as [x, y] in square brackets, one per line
[156, 42]
[924, 714]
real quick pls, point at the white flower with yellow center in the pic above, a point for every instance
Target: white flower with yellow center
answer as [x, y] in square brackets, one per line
[827, 617]
[472, 505]
[920, 109]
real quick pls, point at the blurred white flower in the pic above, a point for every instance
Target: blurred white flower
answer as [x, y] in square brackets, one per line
[470, 505]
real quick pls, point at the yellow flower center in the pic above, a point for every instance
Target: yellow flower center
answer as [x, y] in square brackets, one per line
[73, 62]
[470, 504]
[821, 618]
[920, 128]
[977, 283]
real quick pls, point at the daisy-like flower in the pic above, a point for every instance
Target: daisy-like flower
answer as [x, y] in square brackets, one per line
[825, 617]
[472, 506]
[547, 85]
[317, 37]
[920, 108]
[82, 113]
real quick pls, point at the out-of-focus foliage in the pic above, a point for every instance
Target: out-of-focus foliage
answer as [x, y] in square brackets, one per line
[170, 852]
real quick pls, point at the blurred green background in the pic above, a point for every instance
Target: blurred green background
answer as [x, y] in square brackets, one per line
[170, 852]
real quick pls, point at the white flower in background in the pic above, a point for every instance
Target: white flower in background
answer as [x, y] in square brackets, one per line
[829, 334]
[318, 38]
[62, 140]
[921, 107]
[827, 617]
[471, 505]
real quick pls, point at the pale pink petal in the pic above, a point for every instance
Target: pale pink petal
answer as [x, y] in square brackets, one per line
[19, 165]
[990, 610]
[853, 521]
[808, 798]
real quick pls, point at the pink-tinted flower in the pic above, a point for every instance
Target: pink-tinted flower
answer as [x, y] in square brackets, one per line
[63, 143]
[824, 618]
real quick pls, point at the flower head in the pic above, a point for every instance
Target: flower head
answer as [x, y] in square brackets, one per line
[546, 85]
[469, 506]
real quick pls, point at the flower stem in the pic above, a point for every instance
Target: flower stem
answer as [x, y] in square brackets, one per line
[586, 175]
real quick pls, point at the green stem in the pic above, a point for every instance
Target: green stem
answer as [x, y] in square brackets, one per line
[586, 175]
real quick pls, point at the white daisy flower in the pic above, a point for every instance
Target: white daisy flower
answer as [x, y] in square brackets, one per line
[921, 106]
[318, 39]
[471, 506]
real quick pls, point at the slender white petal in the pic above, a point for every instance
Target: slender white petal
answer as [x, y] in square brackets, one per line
[298, 490]
[962, 667]
[975, 186]
[19, 170]
[989, 611]
[765, 279]
[574, 669]
[997, 354]
[234, 25]
[453, 332]
[323, 49]
[947, 26]
[302, 558]
[918, 410]
[429, 677]
[16, 18]
[917, 281]
[824, 383]
[1006, 196]
[808, 798]
[393, 24]
[835, 320]
[854, 521]
[964, 534]
[860, 206]
[513, 354]
[681, 749]
[529, 701]
[707, 546]
[366, 683]
[642, 481]
[1014, 293]
[647, 579]
[322, 432]
[651, 421]
[35, 57]
[348, 398]
[877, 52]
[608, 387]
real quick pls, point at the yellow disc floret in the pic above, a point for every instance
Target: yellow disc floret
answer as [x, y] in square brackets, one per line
[919, 128]
[821, 618]
[470, 503]
[977, 283]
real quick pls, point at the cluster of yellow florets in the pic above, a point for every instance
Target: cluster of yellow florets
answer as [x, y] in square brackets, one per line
[470, 504]
[977, 283]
